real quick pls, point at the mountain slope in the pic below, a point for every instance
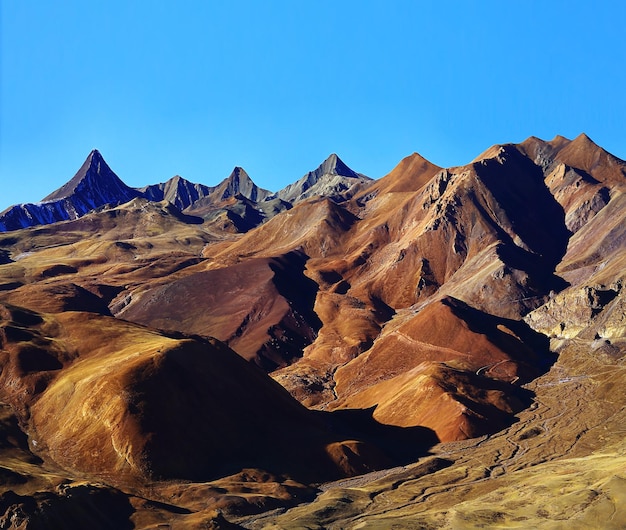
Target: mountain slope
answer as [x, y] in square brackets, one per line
[259, 308]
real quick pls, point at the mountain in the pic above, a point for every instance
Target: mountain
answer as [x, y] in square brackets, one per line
[178, 191]
[332, 179]
[236, 203]
[175, 407]
[239, 183]
[444, 345]
[409, 175]
[237, 189]
[200, 198]
[94, 182]
[93, 186]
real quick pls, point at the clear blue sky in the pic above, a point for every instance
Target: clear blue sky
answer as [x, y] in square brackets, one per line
[197, 87]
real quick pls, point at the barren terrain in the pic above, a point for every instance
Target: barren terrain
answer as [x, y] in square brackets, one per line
[438, 348]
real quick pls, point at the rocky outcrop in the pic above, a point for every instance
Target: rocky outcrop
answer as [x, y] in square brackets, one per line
[582, 312]
[68, 506]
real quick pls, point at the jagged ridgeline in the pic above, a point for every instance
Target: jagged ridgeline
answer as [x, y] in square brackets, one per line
[451, 338]
[95, 185]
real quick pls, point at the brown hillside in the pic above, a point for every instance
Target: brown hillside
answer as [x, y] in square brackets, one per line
[141, 405]
[260, 308]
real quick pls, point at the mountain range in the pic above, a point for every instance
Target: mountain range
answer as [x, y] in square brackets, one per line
[95, 185]
[436, 348]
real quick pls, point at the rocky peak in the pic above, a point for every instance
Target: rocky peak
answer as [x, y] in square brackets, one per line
[177, 190]
[239, 178]
[239, 182]
[331, 178]
[584, 154]
[96, 178]
[559, 141]
[93, 186]
[333, 165]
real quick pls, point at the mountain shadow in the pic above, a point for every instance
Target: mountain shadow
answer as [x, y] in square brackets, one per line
[528, 348]
[299, 326]
[400, 445]
[516, 183]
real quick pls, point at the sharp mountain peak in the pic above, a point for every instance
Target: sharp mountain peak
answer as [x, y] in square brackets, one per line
[333, 165]
[239, 182]
[94, 185]
[584, 137]
[583, 141]
[94, 170]
[332, 178]
[239, 173]
[417, 158]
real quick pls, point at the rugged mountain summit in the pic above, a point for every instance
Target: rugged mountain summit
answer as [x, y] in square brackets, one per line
[331, 179]
[235, 204]
[95, 183]
[178, 191]
[237, 197]
[474, 312]
[93, 186]
[239, 183]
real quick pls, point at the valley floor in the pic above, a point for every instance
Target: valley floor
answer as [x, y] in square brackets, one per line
[562, 463]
